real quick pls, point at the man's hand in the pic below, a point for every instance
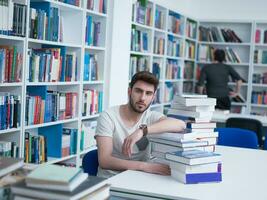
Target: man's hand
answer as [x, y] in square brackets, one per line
[233, 94]
[130, 141]
[156, 168]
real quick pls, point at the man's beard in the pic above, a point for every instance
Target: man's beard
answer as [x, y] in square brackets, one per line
[132, 105]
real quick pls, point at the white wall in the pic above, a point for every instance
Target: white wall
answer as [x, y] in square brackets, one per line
[119, 43]
[229, 9]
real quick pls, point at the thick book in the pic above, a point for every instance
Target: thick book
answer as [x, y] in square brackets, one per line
[196, 178]
[204, 125]
[178, 106]
[181, 144]
[194, 101]
[74, 183]
[203, 115]
[89, 186]
[54, 174]
[194, 157]
[8, 164]
[238, 98]
[183, 135]
[195, 169]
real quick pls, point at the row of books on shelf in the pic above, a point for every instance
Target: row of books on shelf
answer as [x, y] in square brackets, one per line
[92, 31]
[97, 5]
[189, 70]
[169, 91]
[138, 63]
[10, 111]
[92, 102]
[173, 70]
[46, 22]
[174, 46]
[44, 105]
[159, 44]
[52, 65]
[260, 56]
[91, 71]
[54, 141]
[143, 14]
[191, 29]
[260, 78]
[261, 36]
[175, 24]
[11, 62]
[216, 34]
[259, 97]
[159, 19]
[13, 17]
[9, 149]
[60, 182]
[190, 153]
[206, 54]
[139, 40]
[190, 49]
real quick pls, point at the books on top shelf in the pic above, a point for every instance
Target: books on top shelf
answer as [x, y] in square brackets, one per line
[92, 188]
[8, 164]
[55, 177]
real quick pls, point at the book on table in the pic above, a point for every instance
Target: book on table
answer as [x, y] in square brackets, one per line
[55, 177]
[8, 164]
[194, 101]
[193, 157]
[92, 186]
[196, 178]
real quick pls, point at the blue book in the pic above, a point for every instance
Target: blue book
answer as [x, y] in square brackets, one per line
[53, 136]
[196, 178]
[193, 157]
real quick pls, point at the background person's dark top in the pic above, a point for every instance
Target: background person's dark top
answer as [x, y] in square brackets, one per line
[217, 77]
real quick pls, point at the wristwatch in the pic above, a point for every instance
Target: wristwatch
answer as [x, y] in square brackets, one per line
[143, 127]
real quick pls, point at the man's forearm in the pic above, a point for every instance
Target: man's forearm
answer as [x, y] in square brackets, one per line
[113, 163]
[166, 125]
[238, 86]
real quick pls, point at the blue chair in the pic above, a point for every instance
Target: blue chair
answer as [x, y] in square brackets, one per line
[90, 163]
[237, 137]
[265, 144]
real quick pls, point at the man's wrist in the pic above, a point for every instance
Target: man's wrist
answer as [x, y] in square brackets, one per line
[143, 128]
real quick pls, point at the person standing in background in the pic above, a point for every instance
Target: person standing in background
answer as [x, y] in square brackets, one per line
[216, 76]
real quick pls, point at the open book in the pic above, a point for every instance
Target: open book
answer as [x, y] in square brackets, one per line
[238, 98]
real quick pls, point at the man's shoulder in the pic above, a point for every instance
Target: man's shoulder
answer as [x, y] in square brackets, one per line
[111, 111]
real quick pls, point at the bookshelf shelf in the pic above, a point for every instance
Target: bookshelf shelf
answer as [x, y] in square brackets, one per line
[17, 84]
[140, 53]
[174, 58]
[259, 85]
[52, 83]
[63, 93]
[9, 130]
[91, 12]
[50, 123]
[175, 35]
[13, 38]
[93, 82]
[259, 105]
[90, 117]
[190, 39]
[225, 43]
[142, 26]
[95, 48]
[37, 41]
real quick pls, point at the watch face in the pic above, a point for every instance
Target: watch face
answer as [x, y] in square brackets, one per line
[142, 126]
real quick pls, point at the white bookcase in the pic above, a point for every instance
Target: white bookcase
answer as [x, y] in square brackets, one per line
[245, 31]
[74, 19]
[160, 54]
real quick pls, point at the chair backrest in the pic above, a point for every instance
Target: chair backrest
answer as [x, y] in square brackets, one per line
[249, 124]
[90, 162]
[237, 137]
[265, 144]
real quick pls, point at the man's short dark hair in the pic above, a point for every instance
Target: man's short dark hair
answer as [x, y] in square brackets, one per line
[219, 55]
[145, 76]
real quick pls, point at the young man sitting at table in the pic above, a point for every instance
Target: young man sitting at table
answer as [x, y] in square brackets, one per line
[121, 130]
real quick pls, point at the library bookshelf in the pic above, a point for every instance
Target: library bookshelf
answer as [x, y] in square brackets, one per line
[163, 42]
[61, 80]
[250, 63]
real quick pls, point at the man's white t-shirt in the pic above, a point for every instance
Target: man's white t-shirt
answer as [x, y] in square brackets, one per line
[110, 124]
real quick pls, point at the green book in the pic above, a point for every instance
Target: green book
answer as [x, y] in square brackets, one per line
[53, 174]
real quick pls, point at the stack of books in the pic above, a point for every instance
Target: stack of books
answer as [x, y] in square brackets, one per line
[199, 136]
[59, 182]
[195, 166]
